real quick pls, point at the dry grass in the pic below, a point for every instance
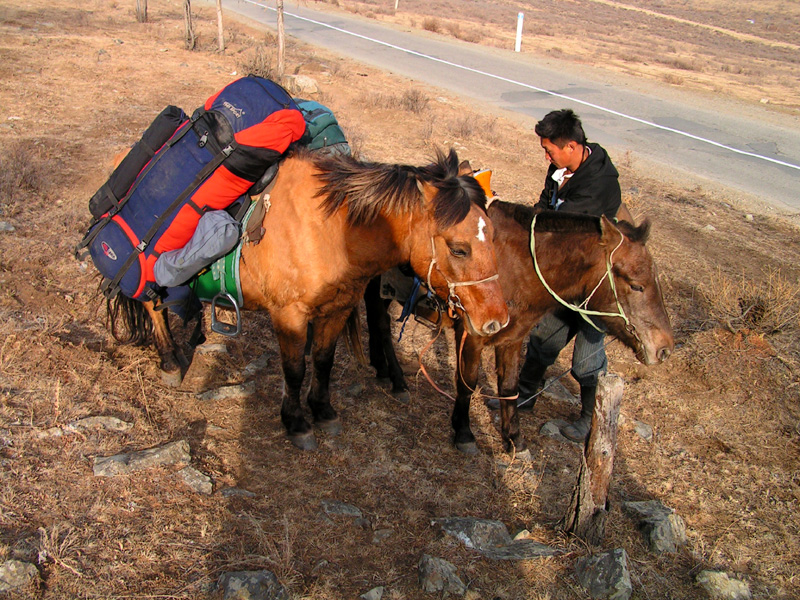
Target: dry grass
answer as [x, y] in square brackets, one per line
[724, 408]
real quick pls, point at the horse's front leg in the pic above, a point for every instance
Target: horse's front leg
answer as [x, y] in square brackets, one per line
[326, 333]
[382, 355]
[291, 328]
[172, 359]
[506, 359]
[468, 353]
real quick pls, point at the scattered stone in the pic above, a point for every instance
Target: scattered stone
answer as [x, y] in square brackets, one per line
[552, 429]
[605, 575]
[211, 349]
[109, 423]
[300, 84]
[520, 550]
[256, 365]
[491, 538]
[748, 217]
[375, 593]
[252, 585]
[15, 574]
[438, 575]
[381, 534]
[663, 530]
[555, 390]
[230, 492]
[51, 432]
[643, 430]
[5, 226]
[336, 508]
[229, 392]
[709, 227]
[174, 453]
[198, 481]
[721, 587]
[355, 390]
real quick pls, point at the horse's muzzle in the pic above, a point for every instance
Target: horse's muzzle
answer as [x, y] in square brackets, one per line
[492, 327]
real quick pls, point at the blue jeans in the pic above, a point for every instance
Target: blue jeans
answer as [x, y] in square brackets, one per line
[554, 331]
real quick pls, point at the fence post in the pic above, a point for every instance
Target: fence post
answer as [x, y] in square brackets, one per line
[586, 515]
[520, 18]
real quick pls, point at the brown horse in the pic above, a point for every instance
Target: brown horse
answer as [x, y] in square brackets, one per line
[333, 224]
[579, 257]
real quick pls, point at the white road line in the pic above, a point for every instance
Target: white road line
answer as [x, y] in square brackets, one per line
[537, 89]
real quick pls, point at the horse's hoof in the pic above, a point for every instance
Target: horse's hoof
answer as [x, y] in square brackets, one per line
[172, 378]
[332, 427]
[304, 441]
[470, 448]
[403, 397]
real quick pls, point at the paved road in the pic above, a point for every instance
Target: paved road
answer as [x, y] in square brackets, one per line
[749, 150]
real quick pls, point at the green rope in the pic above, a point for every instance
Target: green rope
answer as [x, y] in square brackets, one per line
[583, 312]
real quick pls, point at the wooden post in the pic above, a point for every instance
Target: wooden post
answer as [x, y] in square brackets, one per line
[220, 31]
[586, 515]
[281, 42]
[188, 28]
[141, 11]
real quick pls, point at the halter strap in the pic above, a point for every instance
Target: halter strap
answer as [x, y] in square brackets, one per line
[580, 308]
[453, 301]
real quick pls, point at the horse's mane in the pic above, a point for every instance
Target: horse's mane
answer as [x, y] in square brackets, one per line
[552, 221]
[370, 188]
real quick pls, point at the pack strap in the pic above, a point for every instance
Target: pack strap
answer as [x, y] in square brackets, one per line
[103, 221]
[113, 284]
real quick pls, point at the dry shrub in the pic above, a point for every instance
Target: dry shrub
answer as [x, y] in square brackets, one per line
[768, 307]
[22, 174]
[462, 127]
[414, 101]
[258, 62]
[431, 24]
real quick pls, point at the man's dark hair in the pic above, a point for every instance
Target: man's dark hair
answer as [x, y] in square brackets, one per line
[560, 127]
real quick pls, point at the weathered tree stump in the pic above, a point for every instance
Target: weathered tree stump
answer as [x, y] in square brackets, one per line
[190, 41]
[141, 11]
[586, 515]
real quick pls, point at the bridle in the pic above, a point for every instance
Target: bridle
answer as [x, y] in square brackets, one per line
[453, 301]
[582, 308]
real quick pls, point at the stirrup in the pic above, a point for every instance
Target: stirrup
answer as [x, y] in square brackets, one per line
[217, 326]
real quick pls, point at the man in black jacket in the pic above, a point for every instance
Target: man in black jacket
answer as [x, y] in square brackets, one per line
[581, 179]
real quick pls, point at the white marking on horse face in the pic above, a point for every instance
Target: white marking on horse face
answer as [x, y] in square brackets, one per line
[481, 229]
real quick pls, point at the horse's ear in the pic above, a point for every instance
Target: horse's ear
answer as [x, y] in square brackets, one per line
[465, 168]
[607, 229]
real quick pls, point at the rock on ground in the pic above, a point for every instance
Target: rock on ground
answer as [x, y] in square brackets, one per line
[721, 587]
[438, 575]
[15, 574]
[252, 585]
[605, 575]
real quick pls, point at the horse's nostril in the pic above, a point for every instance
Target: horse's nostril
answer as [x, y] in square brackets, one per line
[492, 327]
[663, 354]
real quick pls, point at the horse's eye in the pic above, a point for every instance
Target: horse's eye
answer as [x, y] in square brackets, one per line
[459, 252]
[637, 288]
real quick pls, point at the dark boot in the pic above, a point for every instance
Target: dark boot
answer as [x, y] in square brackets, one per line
[578, 430]
[531, 380]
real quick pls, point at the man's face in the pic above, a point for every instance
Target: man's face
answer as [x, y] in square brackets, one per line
[560, 157]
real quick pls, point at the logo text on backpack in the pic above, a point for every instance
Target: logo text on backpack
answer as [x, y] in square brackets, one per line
[237, 112]
[109, 251]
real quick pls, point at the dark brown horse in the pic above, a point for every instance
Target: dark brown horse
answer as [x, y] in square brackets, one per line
[333, 224]
[579, 257]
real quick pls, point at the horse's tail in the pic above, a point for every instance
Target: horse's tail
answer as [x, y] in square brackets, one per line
[128, 321]
[353, 337]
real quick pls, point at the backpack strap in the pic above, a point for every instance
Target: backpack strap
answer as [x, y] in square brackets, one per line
[110, 287]
[103, 221]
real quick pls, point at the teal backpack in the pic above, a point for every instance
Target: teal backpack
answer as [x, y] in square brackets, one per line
[322, 128]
